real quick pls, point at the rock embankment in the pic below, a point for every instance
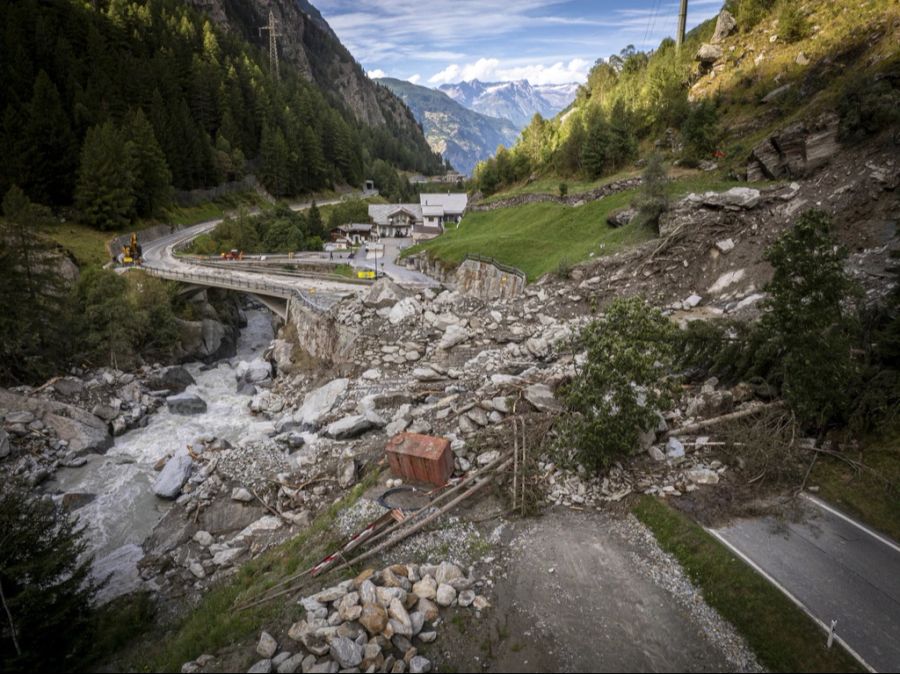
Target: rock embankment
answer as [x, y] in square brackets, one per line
[57, 424]
[375, 622]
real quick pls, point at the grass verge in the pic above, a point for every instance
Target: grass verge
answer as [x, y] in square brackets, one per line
[537, 238]
[87, 244]
[783, 637]
[873, 497]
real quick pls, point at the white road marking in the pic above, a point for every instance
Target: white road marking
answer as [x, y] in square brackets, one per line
[753, 565]
[850, 520]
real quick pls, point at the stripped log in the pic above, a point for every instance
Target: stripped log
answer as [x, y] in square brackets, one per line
[692, 429]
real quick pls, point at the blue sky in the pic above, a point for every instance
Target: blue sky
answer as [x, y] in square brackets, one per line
[433, 42]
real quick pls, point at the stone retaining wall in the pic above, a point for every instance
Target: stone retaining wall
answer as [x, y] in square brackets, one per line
[488, 280]
[574, 200]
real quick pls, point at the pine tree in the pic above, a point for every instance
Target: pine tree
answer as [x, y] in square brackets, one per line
[45, 584]
[34, 324]
[47, 145]
[107, 335]
[152, 178]
[314, 224]
[106, 179]
[594, 155]
[274, 161]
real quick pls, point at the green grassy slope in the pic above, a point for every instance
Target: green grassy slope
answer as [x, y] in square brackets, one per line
[539, 238]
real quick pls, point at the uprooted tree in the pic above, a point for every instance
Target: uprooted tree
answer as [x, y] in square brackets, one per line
[622, 386]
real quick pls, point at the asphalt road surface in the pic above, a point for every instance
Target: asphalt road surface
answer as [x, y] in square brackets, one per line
[159, 255]
[837, 568]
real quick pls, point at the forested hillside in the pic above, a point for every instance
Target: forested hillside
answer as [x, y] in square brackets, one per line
[119, 99]
[709, 101]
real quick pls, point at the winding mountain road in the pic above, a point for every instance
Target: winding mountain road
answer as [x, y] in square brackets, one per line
[160, 260]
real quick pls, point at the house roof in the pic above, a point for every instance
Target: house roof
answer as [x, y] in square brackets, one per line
[451, 202]
[380, 213]
[432, 211]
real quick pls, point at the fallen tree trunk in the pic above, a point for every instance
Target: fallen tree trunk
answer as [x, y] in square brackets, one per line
[692, 429]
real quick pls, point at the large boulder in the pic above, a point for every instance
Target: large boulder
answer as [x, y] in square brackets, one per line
[735, 199]
[384, 293]
[282, 354]
[621, 217]
[174, 379]
[542, 398]
[725, 26]
[455, 334]
[83, 432]
[349, 427]
[258, 371]
[173, 476]
[708, 54]
[186, 403]
[403, 310]
[320, 402]
[795, 151]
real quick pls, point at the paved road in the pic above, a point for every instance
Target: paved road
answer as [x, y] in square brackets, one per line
[837, 569]
[387, 263]
[159, 256]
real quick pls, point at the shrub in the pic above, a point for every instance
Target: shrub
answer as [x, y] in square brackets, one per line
[869, 105]
[792, 24]
[621, 387]
[653, 199]
[748, 13]
[563, 189]
[46, 584]
[701, 131]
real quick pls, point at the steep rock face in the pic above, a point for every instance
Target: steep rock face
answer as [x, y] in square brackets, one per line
[795, 151]
[320, 336]
[308, 44]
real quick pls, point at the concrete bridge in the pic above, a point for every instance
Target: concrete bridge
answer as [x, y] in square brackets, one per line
[272, 289]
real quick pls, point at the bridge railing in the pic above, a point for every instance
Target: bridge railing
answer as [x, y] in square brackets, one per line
[241, 284]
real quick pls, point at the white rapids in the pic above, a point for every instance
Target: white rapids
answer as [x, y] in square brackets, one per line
[125, 509]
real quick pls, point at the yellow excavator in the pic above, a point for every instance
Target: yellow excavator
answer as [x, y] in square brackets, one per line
[132, 254]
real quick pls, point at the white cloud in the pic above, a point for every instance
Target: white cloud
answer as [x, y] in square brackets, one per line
[414, 79]
[491, 70]
[375, 74]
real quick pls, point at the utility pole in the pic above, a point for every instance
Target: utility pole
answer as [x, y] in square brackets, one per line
[272, 27]
[682, 21]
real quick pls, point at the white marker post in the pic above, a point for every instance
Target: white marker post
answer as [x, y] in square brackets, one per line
[831, 633]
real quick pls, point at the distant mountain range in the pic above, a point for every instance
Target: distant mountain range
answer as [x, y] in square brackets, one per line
[462, 136]
[516, 101]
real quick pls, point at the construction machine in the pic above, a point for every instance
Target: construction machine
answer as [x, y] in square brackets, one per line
[132, 253]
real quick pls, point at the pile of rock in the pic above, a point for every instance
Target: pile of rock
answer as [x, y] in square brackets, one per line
[375, 622]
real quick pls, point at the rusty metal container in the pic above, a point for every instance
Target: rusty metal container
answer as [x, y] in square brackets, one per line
[421, 458]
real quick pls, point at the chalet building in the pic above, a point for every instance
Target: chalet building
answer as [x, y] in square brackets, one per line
[421, 221]
[395, 220]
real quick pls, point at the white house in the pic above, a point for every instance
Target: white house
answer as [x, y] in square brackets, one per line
[395, 220]
[438, 211]
[422, 221]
